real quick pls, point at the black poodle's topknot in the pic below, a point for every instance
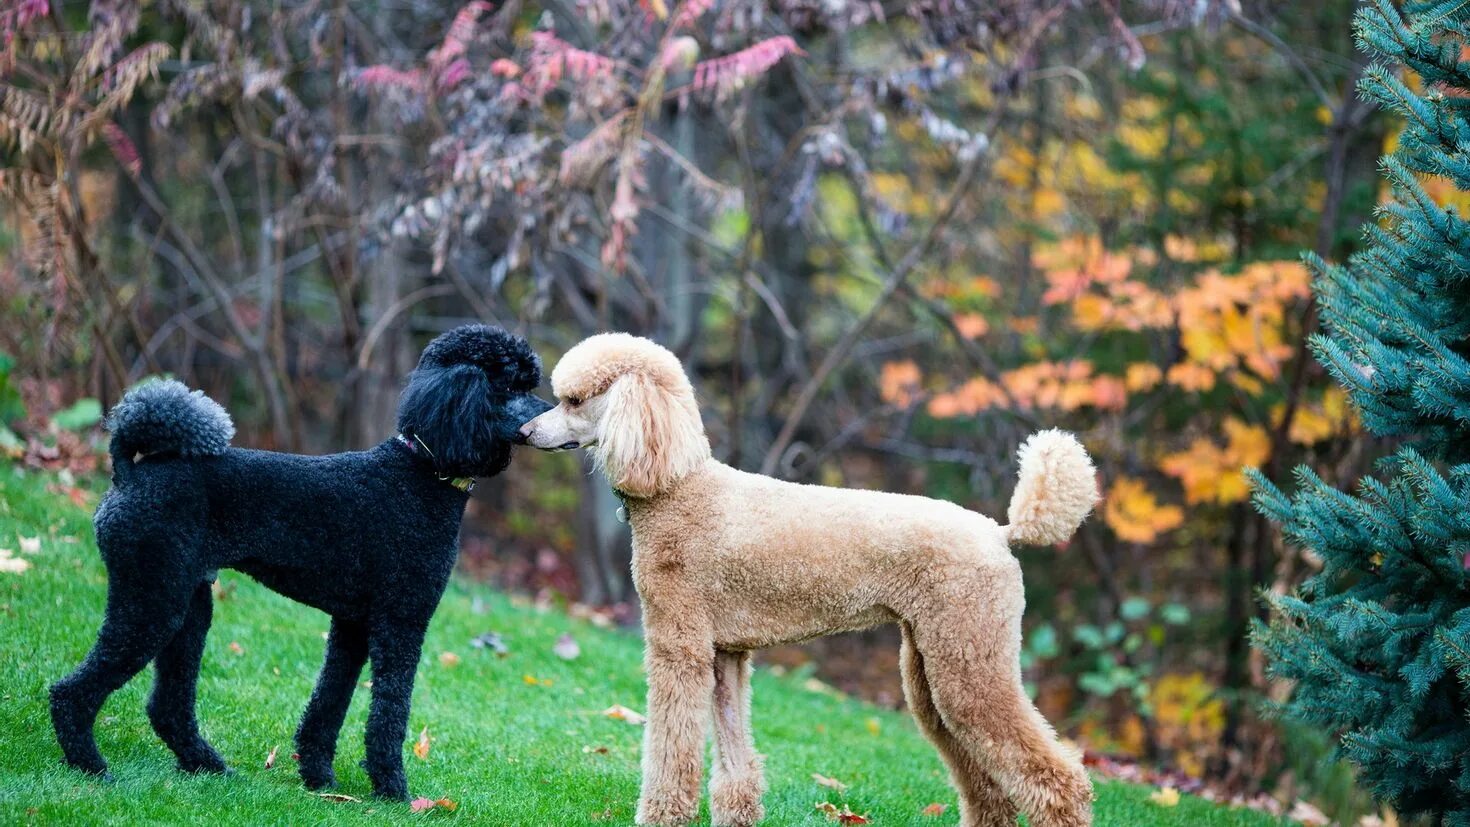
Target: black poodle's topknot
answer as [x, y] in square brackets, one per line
[506, 358]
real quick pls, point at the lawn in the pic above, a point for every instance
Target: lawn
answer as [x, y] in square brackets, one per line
[518, 739]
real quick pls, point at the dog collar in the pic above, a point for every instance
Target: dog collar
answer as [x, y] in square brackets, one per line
[465, 484]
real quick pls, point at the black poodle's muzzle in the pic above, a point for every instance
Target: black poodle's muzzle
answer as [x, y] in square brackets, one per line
[520, 410]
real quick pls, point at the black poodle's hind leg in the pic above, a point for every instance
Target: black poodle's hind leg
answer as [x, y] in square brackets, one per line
[138, 623]
[316, 738]
[394, 647]
[176, 679]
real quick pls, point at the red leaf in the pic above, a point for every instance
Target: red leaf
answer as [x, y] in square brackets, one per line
[935, 809]
[122, 147]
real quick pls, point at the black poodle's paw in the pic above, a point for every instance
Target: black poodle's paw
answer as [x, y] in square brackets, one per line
[318, 778]
[97, 767]
[391, 785]
[97, 770]
[200, 765]
[201, 759]
[391, 792]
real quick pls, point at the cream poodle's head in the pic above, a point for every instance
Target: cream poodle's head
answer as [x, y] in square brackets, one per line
[628, 400]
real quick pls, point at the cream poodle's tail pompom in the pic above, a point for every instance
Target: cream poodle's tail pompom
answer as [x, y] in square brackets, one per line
[1056, 492]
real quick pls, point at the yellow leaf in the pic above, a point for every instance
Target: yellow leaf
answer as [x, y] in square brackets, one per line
[1165, 797]
[1142, 376]
[1191, 377]
[421, 746]
[659, 9]
[1135, 515]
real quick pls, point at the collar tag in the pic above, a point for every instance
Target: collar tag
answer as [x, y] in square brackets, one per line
[622, 512]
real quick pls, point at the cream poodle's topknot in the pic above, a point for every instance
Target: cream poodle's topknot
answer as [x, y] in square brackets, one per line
[594, 363]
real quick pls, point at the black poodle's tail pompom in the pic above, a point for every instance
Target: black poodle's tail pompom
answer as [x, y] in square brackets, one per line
[163, 416]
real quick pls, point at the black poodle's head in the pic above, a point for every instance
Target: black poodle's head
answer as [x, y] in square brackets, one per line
[466, 401]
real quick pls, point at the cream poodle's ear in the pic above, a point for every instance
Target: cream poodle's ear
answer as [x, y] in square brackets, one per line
[650, 436]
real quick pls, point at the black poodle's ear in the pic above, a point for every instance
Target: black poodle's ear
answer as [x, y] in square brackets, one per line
[451, 411]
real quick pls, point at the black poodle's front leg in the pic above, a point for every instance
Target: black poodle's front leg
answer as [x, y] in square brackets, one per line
[394, 647]
[316, 738]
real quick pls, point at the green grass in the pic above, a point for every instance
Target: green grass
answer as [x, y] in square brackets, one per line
[508, 751]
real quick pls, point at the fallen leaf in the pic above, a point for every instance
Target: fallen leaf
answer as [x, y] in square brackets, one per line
[1308, 815]
[270, 758]
[566, 648]
[842, 816]
[30, 545]
[830, 783]
[622, 713]
[421, 746]
[236, 647]
[1165, 797]
[874, 725]
[597, 750]
[419, 805]
[338, 797]
[12, 564]
[935, 809]
[491, 641]
[448, 659]
[532, 680]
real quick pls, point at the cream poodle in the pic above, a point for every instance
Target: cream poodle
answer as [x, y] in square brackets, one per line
[727, 562]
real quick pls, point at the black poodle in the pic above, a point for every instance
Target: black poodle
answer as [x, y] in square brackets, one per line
[368, 537]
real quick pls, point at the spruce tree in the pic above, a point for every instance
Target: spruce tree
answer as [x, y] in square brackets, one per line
[1378, 642]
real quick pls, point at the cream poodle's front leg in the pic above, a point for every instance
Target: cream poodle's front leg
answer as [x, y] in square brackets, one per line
[737, 783]
[680, 664]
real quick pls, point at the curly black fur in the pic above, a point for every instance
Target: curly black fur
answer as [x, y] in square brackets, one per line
[368, 537]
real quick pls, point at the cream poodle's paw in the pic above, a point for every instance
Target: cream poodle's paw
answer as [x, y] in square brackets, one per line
[736, 802]
[1004, 816]
[667, 811]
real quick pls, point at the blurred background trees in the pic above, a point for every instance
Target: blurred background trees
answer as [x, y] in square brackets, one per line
[890, 239]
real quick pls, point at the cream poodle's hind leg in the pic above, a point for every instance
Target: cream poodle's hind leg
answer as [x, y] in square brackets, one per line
[972, 662]
[681, 677]
[982, 802]
[736, 783]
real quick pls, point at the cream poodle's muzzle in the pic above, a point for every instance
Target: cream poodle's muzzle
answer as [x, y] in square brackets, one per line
[566, 427]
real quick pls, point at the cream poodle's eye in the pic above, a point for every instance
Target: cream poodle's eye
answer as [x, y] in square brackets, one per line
[573, 401]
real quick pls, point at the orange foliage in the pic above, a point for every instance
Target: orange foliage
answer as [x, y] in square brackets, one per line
[1135, 514]
[898, 383]
[1233, 329]
[1211, 473]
